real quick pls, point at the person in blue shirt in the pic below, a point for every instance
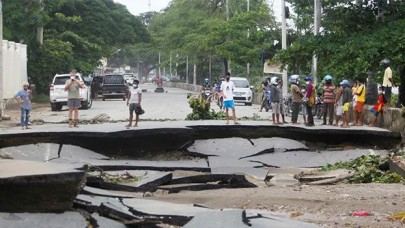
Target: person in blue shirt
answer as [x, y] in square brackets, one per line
[24, 98]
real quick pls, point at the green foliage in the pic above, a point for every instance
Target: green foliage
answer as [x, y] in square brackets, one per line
[353, 40]
[201, 110]
[41, 99]
[366, 170]
[394, 100]
[77, 34]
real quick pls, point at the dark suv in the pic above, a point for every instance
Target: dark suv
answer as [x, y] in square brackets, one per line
[114, 86]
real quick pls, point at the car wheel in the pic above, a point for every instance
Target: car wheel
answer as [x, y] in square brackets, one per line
[248, 104]
[58, 106]
[124, 98]
[87, 104]
[103, 98]
[53, 107]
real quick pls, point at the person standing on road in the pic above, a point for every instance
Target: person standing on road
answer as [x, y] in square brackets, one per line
[134, 102]
[328, 100]
[310, 95]
[275, 100]
[296, 98]
[227, 88]
[266, 89]
[24, 97]
[339, 105]
[361, 98]
[346, 99]
[74, 102]
[388, 83]
[282, 102]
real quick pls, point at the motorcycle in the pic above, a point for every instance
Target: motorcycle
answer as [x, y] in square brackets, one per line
[318, 109]
[287, 102]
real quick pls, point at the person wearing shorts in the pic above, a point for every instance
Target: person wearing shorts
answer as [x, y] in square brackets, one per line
[339, 105]
[361, 98]
[134, 102]
[72, 86]
[227, 88]
[346, 99]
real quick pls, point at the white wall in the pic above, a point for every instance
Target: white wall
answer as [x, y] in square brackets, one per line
[14, 68]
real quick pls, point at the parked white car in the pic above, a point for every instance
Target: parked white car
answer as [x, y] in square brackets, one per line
[58, 96]
[243, 92]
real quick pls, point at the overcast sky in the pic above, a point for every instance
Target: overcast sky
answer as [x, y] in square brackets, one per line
[137, 7]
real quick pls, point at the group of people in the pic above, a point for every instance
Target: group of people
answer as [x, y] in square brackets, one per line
[337, 101]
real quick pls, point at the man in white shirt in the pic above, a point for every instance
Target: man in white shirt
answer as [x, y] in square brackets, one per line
[387, 81]
[227, 88]
[134, 102]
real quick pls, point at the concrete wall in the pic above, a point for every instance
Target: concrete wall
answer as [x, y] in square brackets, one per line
[392, 119]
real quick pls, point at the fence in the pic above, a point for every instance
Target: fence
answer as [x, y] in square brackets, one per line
[14, 70]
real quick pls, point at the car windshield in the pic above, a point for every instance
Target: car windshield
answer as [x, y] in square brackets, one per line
[241, 83]
[113, 79]
[61, 80]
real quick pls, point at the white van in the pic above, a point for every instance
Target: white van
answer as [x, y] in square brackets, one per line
[243, 92]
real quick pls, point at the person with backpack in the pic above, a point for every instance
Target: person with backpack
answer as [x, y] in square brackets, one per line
[309, 98]
[275, 100]
[266, 95]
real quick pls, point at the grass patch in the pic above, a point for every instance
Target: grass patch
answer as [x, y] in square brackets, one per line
[40, 99]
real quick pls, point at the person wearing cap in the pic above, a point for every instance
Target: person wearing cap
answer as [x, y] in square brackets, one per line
[388, 83]
[310, 96]
[24, 98]
[346, 99]
[328, 100]
[134, 102]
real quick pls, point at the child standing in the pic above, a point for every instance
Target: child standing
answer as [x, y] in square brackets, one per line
[346, 99]
[378, 108]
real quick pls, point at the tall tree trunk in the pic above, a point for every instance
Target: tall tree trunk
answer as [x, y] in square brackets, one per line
[371, 89]
[225, 65]
[401, 97]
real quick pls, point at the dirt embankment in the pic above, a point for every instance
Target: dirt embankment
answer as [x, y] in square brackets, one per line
[328, 206]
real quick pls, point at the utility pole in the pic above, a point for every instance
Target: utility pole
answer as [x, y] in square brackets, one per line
[187, 69]
[1, 59]
[227, 19]
[40, 29]
[248, 35]
[317, 23]
[284, 44]
[159, 64]
[170, 63]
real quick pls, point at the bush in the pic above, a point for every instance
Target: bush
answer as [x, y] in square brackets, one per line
[201, 110]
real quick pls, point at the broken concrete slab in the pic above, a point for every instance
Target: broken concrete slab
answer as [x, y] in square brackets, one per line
[140, 180]
[103, 222]
[223, 165]
[48, 152]
[205, 183]
[302, 159]
[218, 219]
[241, 148]
[283, 180]
[43, 220]
[87, 190]
[197, 164]
[264, 219]
[170, 213]
[397, 166]
[28, 186]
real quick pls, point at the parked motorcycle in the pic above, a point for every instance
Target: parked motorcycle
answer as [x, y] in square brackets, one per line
[267, 96]
[318, 109]
[287, 102]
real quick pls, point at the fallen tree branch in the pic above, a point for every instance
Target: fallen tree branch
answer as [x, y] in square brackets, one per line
[332, 180]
